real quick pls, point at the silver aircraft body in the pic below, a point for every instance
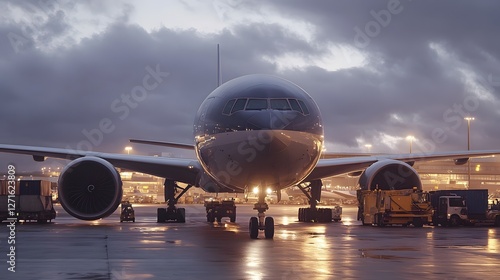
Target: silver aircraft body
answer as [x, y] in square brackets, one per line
[256, 131]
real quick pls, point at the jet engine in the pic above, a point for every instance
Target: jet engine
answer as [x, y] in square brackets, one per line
[90, 188]
[389, 175]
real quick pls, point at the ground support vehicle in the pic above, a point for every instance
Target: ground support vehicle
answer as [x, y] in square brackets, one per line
[30, 200]
[394, 207]
[128, 213]
[320, 215]
[216, 210]
[463, 207]
[337, 213]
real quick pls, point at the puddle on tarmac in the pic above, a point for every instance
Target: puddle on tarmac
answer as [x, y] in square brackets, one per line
[178, 242]
[150, 229]
[315, 234]
[472, 247]
[92, 276]
[373, 253]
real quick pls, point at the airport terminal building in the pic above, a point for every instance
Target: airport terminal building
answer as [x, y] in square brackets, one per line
[435, 175]
[484, 174]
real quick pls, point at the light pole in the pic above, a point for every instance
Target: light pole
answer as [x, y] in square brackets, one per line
[410, 138]
[468, 119]
[128, 149]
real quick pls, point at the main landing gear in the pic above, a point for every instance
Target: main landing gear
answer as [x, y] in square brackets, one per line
[261, 222]
[314, 214]
[172, 213]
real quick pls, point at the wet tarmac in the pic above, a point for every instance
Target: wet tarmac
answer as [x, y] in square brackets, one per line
[107, 249]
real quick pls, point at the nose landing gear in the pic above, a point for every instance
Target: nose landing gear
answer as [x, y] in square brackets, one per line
[261, 222]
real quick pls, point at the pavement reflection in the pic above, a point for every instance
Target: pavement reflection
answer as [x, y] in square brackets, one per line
[108, 249]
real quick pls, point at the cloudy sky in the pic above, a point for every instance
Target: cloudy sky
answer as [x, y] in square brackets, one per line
[72, 73]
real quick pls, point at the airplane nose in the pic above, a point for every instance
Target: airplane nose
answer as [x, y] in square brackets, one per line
[259, 120]
[271, 119]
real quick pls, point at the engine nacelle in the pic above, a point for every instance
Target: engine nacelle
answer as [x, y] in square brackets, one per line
[90, 188]
[389, 175]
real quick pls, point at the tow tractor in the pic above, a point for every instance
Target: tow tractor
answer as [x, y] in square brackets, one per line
[337, 213]
[216, 210]
[128, 213]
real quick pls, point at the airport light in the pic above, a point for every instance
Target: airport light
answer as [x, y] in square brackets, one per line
[255, 190]
[128, 149]
[410, 138]
[368, 146]
[468, 119]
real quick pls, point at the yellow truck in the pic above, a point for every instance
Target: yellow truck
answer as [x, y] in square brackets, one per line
[394, 207]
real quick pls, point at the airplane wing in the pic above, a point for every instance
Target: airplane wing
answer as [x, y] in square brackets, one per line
[187, 170]
[182, 170]
[165, 144]
[336, 166]
[343, 194]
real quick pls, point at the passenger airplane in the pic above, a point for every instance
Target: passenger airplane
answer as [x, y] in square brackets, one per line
[254, 131]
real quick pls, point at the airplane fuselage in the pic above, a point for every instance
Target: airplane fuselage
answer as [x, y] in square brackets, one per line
[258, 130]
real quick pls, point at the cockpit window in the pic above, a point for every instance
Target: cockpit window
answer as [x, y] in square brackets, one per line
[295, 105]
[239, 105]
[280, 104]
[250, 104]
[227, 108]
[304, 107]
[256, 104]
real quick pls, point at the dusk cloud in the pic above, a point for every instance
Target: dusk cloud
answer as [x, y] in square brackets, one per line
[379, 70]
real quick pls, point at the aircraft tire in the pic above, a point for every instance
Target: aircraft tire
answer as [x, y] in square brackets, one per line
[497, 221]
[307, 215]
[161, 215]
[269, 228]
[454, 221]
[210, 217]
[417, 222]
[253, 225]
[380, 220]
[181, 215]
[325, 215]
